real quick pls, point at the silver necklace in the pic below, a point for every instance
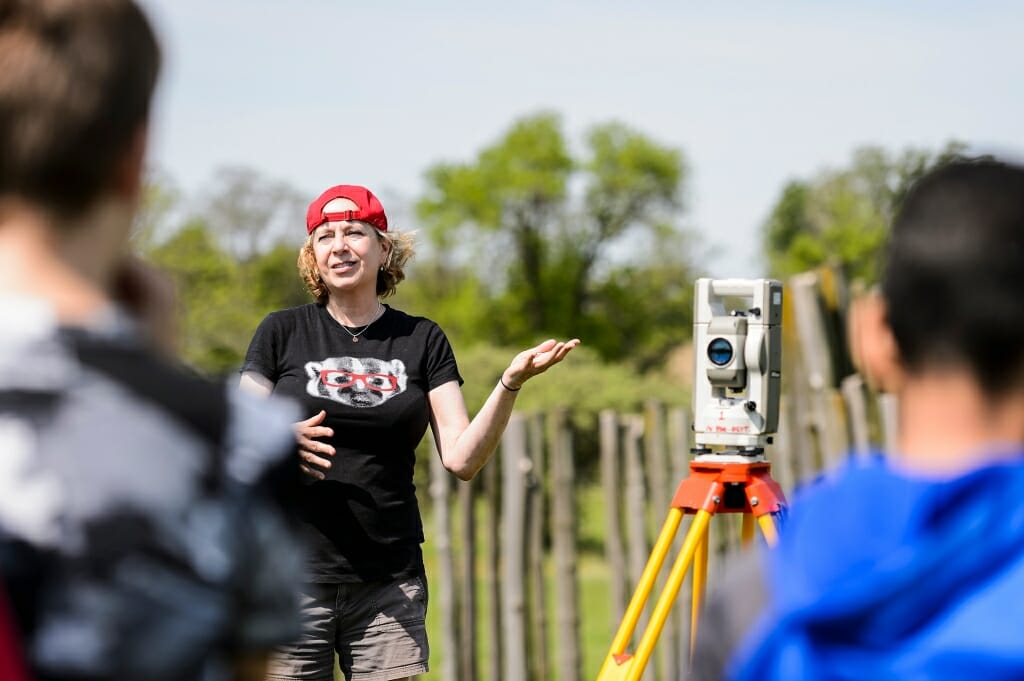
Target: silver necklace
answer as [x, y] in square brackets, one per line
[360, 332]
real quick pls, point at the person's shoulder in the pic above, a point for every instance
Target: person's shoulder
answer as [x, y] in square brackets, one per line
[253, 434]
[851, 476]
[412, 323]
[404, 317]
[171, 386]
[292, 314]
[284, 322]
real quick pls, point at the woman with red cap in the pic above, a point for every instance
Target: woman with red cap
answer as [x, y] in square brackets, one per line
[373, 378]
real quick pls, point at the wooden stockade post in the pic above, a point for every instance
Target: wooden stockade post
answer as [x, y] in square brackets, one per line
[538, 665]
[563, 536]
[636, 510]
[492, 490]
[466, 613]
[614, 547]
[514, 462]
[440, 491]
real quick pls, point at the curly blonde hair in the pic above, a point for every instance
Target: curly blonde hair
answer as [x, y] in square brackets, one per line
[392, 272]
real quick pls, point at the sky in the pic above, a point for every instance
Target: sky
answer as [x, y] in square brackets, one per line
[754, 94]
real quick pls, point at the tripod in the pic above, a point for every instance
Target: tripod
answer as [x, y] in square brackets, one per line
[727, 482]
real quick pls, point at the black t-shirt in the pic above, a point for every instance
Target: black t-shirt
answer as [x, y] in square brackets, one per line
[364, 519]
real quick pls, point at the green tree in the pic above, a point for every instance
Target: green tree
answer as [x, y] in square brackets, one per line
[450, 294]
[214, 309]
[841, 217]
[232, 262]
[158, 209]
[552, 238]
[515, 188]
[251, 213]
[273, 277]
[647, 310]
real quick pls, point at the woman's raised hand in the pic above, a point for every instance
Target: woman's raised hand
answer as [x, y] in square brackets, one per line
[536, 360]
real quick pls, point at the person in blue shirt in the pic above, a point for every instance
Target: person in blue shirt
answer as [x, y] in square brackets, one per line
[910, 565]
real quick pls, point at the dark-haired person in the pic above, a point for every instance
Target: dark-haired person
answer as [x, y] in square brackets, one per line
[911, 565]
[371, 378]
[142, 530]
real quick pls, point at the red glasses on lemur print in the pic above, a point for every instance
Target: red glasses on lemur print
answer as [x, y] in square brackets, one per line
[338, 378]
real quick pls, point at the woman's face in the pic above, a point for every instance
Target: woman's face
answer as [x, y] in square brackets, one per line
[348, 254]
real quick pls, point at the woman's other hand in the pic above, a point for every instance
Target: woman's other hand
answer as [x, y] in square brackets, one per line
[314, 454]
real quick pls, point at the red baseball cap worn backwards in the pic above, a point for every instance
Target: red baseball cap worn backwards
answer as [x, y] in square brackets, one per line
[370, 209]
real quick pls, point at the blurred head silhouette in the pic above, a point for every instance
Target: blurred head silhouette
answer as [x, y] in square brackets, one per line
[76, 81]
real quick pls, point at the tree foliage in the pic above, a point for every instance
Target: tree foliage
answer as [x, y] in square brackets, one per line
[222, 296]
[557, 243]
[250, 212]
[841, 218]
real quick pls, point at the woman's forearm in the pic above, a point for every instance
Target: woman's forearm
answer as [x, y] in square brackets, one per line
[478, 442]
[465, 446]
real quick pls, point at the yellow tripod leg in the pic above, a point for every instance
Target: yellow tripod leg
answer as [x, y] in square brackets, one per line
[700, 575]
[641, 594]
[747, 529]
[620, 666]
[767, 525]
[698, 536]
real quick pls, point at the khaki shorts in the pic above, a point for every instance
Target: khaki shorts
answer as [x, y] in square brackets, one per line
[378, 630]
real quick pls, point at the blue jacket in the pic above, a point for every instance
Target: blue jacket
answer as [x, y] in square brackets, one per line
[879, 575]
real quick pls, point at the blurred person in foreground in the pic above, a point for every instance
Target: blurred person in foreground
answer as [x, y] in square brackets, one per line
[371, 378]
[12, 658]
[142, 532]
[910, 566]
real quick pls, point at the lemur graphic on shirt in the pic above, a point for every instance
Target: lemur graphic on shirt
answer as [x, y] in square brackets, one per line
[356, 381]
